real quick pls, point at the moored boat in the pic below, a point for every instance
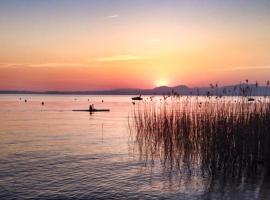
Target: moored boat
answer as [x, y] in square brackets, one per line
[138, 98]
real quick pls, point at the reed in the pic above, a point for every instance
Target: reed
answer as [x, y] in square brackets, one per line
[225, 137]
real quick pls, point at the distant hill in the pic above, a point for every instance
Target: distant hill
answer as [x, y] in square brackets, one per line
[231, 90]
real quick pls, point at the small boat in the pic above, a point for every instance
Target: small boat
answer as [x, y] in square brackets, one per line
[94, 110]
[251, 99]
[138, 98]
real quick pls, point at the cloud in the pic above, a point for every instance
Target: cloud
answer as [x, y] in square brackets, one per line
[120, 58]
[42, 65]
[237, 68]
[112, 16]
[58, 65]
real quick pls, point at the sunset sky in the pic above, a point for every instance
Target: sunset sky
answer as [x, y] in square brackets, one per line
[105, 44]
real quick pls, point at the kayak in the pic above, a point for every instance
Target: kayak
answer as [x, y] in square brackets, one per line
[94, 110]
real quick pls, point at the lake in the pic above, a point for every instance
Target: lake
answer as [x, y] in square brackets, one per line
[49, 152]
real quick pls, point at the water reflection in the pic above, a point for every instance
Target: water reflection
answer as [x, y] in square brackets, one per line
[59, 154]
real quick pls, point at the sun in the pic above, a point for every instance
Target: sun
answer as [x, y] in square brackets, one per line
[161, 82]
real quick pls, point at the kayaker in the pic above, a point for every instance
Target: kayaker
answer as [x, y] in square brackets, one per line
[91, 107]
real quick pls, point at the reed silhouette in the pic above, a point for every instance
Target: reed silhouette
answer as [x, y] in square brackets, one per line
[216, 137]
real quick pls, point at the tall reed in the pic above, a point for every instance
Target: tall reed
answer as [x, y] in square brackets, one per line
[226, 137]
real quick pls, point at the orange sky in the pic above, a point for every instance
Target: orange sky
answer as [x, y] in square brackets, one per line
[95, 45]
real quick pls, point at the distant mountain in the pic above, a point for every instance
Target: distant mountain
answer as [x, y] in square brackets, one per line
[231, 90]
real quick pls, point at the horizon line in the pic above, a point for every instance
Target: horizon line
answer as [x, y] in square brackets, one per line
[122, 88]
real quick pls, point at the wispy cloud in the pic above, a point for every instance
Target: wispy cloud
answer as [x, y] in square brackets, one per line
[237, 68]
[112, 16]
[43, 65]
[120, 58]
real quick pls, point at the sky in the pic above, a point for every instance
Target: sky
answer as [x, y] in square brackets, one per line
[104, 44]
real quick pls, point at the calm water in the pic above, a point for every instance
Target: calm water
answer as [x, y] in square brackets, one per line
[50, 152]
